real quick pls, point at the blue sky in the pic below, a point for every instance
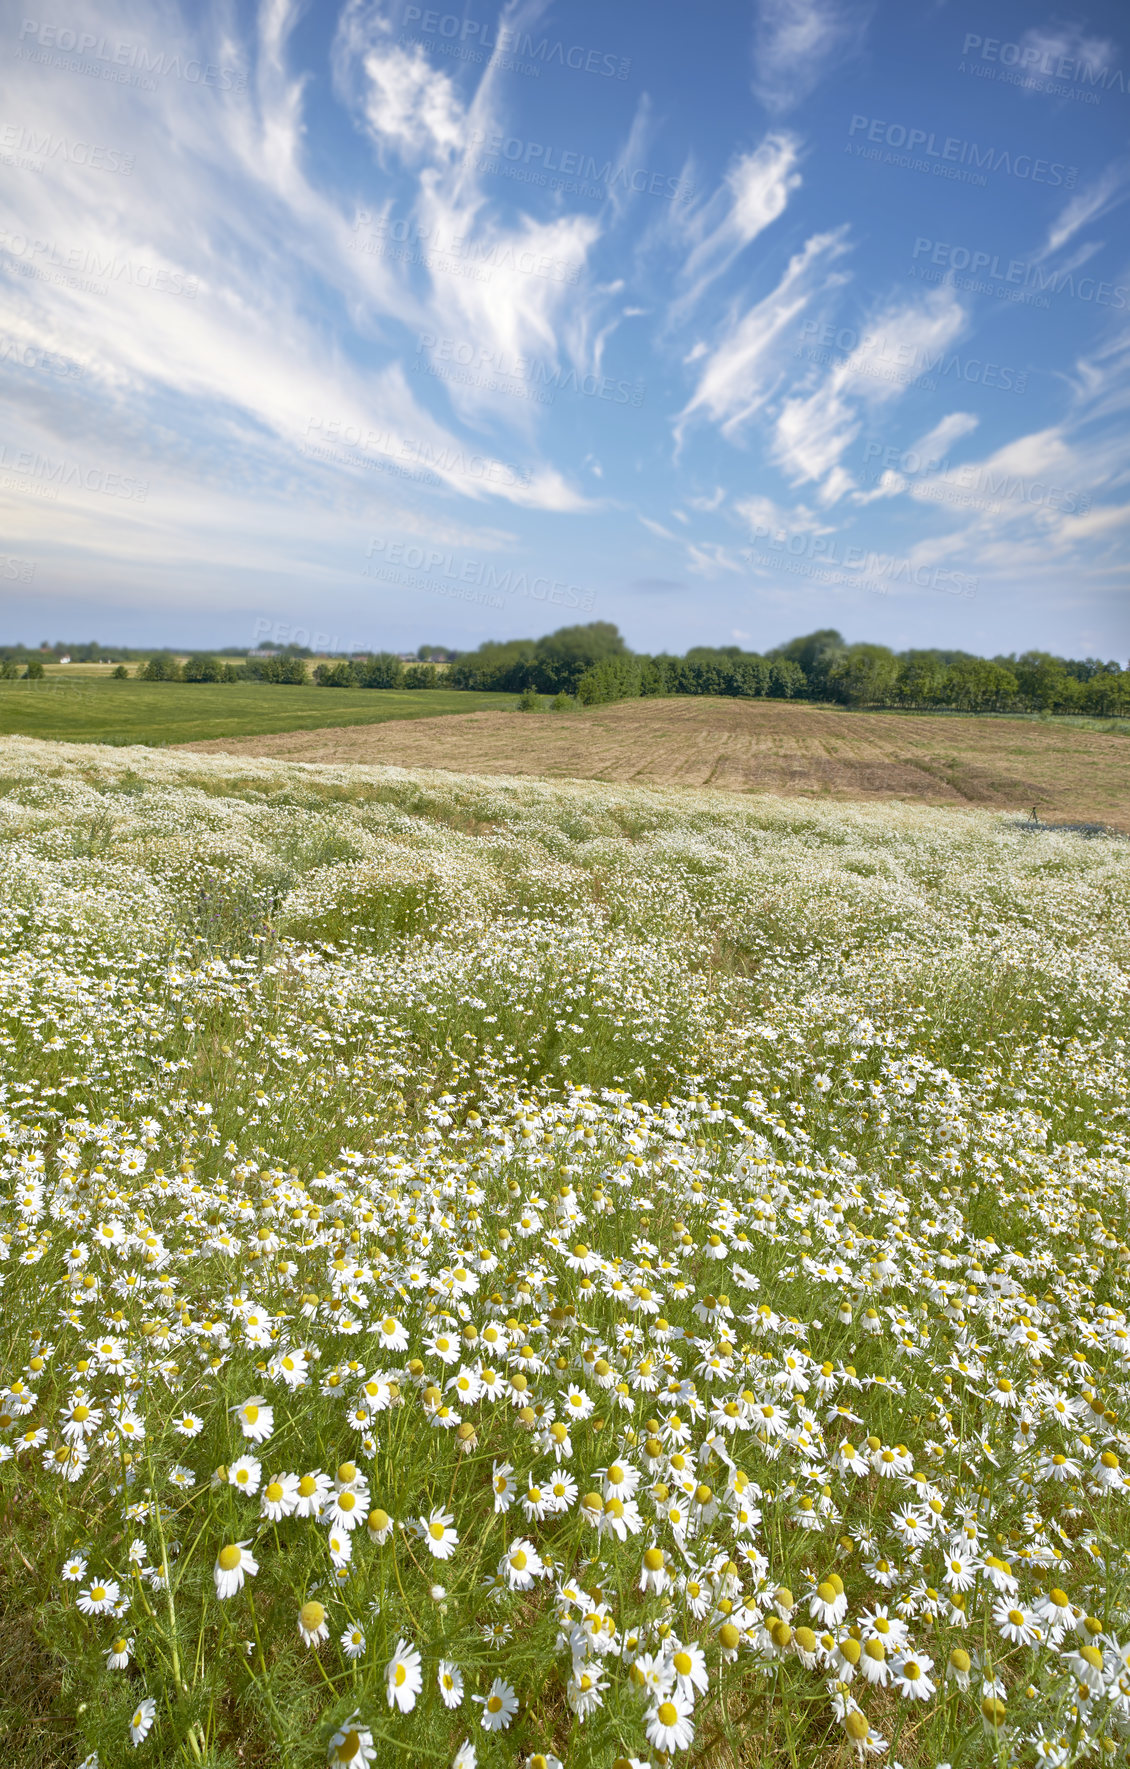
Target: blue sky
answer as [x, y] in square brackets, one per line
[387, 324]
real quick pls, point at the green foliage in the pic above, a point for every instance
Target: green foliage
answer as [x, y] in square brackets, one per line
[163, 667]
[34, 671]
[553, 664]
[286, 671]
[529, 701]
[863, 675]
[201, 668]
[342, 674]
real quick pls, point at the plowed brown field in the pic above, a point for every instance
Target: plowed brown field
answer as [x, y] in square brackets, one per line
[1065, 772]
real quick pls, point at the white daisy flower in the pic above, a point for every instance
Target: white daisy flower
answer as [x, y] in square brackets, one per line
[142, 1721]
[233, 1565]
[403, 1677]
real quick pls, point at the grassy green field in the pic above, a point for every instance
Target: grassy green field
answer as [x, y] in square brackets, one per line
[92, 710]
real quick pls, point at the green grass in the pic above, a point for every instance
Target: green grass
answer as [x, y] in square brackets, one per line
[157, 713]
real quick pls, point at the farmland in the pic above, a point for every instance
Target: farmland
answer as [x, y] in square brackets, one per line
[85, 705]
[498, 1271]
[1067, 770]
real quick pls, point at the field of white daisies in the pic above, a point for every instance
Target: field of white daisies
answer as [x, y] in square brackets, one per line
[508, 1274]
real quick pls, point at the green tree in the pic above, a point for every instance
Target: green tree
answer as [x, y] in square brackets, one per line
[864, 675]
[922, 679]
[976, 684]
[383, 670]
[340, 674]
[201, 668]
[815, 653]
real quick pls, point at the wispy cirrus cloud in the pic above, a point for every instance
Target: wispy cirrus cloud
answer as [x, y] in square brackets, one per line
[1087, 205]
[754, 193]
[814, 429]
[797, 42]
[745, 366]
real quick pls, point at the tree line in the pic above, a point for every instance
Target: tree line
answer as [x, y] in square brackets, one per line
[592, 665]
[819, 666]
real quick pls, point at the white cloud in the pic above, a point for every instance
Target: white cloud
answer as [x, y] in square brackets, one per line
[890, 485]
[1063, 42]
[796, 42]
[1085, 206]
[410, 105]
[764, 517]
[746, 366]
[951, 428]
[814, 429]
[754, 193]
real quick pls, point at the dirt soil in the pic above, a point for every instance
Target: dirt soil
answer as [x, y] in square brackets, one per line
[1065, 772]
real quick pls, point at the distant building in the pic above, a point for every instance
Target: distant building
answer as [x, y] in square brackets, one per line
[64, 660]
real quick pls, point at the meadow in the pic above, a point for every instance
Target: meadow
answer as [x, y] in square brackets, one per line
[500, 1272]
[85, 705]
